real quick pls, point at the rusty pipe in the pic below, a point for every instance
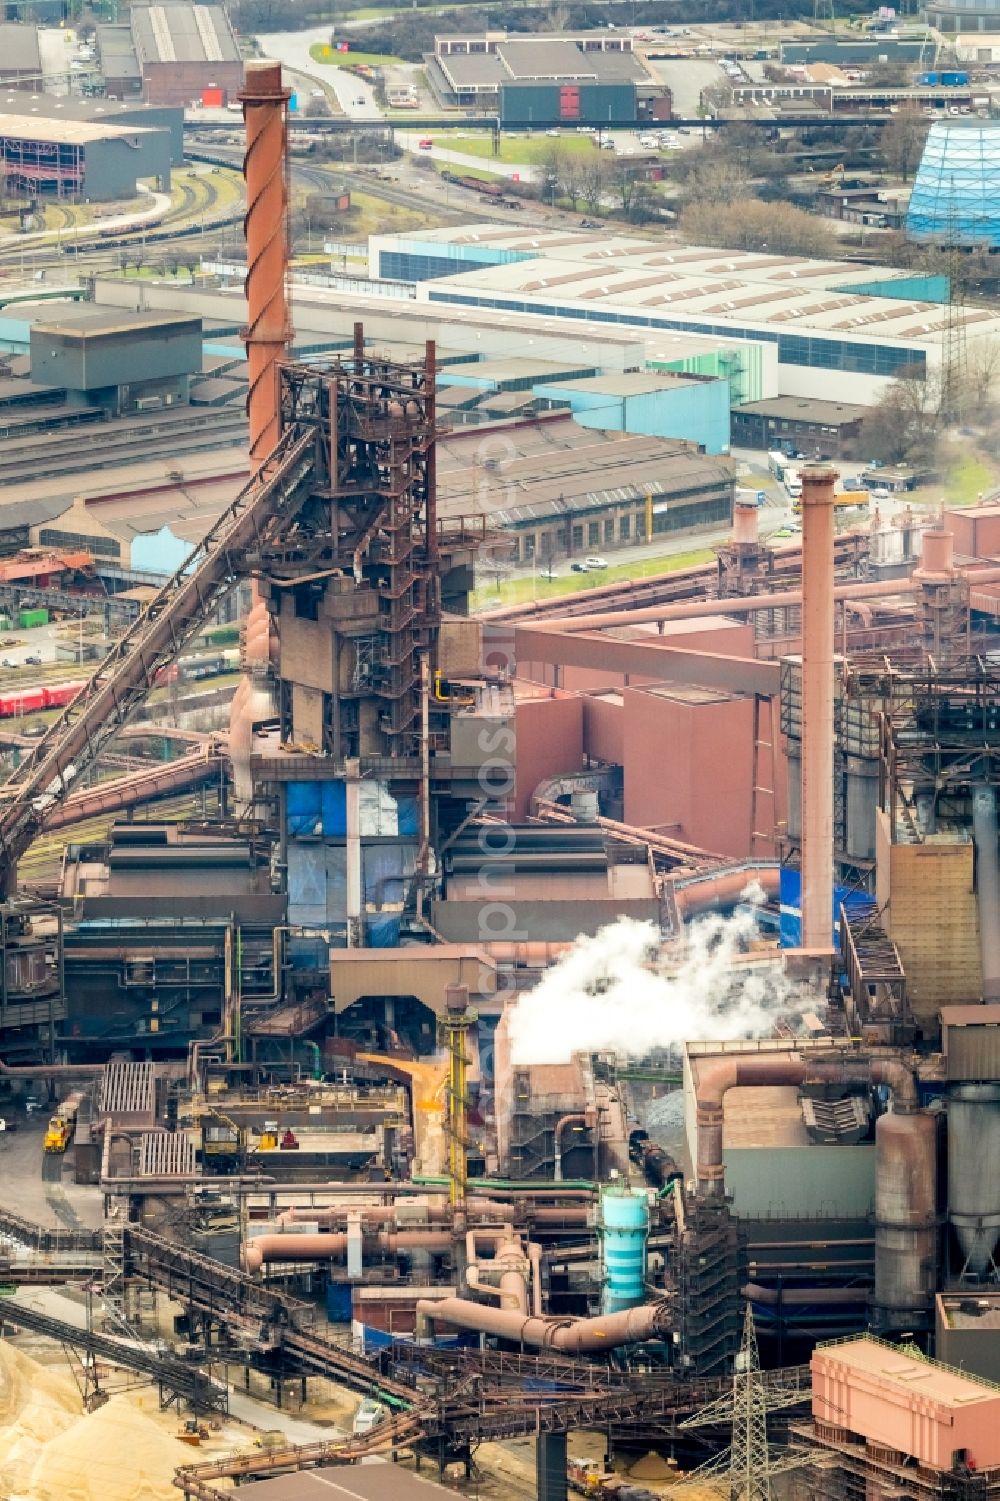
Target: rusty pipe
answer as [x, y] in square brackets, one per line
[575, 1118]
[817, 708]
[718, 1076]
[695, 609]
[535, 1262]
[722, 889]
[630, 1326]
[333, 1247]
[334, 1216]
[508, 1264]
[265, 170]
[439, 1212]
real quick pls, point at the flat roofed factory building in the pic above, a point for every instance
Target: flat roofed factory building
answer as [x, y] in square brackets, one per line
[183, 49]
[81, 158]
[117, 359]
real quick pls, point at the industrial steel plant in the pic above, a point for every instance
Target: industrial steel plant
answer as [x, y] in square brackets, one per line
[577, 1015]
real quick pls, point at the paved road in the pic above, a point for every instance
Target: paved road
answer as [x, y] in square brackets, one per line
[409, 140]
[355, 97]
[25, 1189]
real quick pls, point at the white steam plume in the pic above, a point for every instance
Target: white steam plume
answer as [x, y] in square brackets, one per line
[604, 995]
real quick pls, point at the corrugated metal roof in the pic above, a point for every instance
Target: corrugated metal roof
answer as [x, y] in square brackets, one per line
[63, 132]
[179, 33]
[19, 48]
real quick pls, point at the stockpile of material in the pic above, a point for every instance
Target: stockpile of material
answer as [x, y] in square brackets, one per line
[37, 1404]
[50, 1451]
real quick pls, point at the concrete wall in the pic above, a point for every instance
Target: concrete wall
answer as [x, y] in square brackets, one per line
[91, 360]
[549, 741]
[688, 766]
[604, 727]
[974, 1345]
[182, 83]
[695, 411]
[768, 1182]
[113, 166]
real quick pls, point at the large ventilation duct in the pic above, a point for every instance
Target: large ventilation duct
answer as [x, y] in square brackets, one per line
[984, 833]
[630, 1327]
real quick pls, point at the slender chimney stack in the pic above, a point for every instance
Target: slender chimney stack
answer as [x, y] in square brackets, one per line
[268, 331]
[817, 707]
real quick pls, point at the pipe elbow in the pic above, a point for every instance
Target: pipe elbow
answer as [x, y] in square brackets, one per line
[900, 1080]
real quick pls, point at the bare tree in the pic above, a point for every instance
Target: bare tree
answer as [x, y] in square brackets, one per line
[752, 224]
[716, 97]
[903, 141]
[592, 181]
[719, 182]
[903, 427]
[983, 366]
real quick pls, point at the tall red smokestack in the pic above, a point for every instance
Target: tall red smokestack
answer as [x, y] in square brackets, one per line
[817, 707]
[265, 105]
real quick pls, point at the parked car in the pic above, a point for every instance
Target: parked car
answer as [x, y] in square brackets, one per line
[11, 641]
[578, 568]
[595, 563]
[32, 661]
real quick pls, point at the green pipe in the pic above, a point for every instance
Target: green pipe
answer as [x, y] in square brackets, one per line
[510, 1185]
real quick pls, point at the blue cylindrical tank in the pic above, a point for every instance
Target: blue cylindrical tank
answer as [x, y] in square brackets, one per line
[624, 1227]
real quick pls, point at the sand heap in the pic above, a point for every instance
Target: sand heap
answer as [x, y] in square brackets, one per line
[50, 1450]
[36, 1405]
[117, 1453]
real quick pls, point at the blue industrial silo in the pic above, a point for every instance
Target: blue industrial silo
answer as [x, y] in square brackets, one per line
[624, 1228]
[955, 198]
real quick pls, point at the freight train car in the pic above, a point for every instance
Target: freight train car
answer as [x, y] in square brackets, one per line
[31, 700]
